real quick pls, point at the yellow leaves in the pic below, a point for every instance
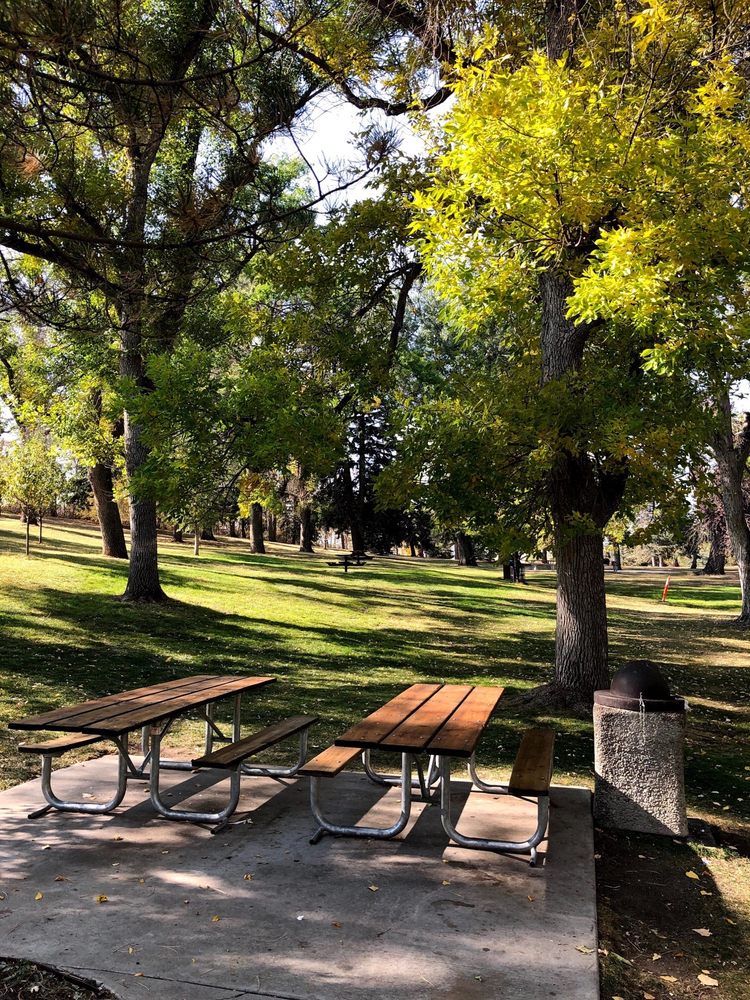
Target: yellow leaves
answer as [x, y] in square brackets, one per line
[374, 888]
[101, 899]
[702, 931]
[692, 874]
[39, 896]
[584, 950]
[215, 918]
[652, 25]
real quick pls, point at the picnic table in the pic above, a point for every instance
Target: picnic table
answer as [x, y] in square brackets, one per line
[443, 722]
[153, 710]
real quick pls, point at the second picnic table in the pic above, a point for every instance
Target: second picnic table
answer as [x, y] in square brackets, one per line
[442, 721]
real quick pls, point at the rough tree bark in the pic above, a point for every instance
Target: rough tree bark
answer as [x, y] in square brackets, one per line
[107, 511]
[256, 529]
[356, 527]
[731, 452]
[465, 554]
[582, 500]
[207, 534]
[272, 527]
[177, 534]
[717, 554]
[305, 528]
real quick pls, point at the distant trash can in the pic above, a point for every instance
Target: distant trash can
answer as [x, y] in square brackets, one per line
[639, 753]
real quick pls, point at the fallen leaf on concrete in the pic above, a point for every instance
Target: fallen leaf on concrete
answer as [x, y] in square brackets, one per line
[215, 919]
[39, 895]
[61, 878]
[703, 931]
[668, 979]
[117, 838]
[704, 893]
[655, 957]
[445, 882]
[131, 949]
[374, 888]
[335, 923]
[705, 980]
[248, 876]
[531, 898]
[102, 899]
[584, 950]
[692, 875]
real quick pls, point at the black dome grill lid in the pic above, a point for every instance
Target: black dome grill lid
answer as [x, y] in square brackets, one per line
[639, 686]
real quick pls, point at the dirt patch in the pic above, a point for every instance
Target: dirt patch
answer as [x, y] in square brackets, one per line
[674, 917]
[26, 981]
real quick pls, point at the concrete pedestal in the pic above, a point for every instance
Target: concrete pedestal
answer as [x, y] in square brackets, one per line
[639, 766]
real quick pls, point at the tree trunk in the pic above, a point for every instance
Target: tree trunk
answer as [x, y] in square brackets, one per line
[197, 541]
[581, 636]
[356, 526]
[617, 558]
[272, 527]
[305, 528]
[577, 488]
[232, 528]
[28, 529]
[177, 535]
[412, 549]
[465, 554]
[40, 529]
[143, 577]
[256, 529]
[207, 534]
[107, 511]
[717, 554]
[731, 466]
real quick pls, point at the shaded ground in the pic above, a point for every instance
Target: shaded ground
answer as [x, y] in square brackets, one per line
[165, 909]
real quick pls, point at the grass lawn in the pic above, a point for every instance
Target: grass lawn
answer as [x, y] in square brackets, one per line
[340, 645]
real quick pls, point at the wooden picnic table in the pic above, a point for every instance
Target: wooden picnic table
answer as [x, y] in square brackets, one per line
[152, 710]
[442, 721]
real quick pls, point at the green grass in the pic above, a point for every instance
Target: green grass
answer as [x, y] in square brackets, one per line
[341, 645]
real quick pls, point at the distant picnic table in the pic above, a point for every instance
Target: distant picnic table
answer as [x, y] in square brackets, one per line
[352, 559]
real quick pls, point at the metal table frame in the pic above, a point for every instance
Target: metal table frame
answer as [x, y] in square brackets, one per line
[437, 773]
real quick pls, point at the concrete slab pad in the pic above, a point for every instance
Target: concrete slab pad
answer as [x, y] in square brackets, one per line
[258, 912]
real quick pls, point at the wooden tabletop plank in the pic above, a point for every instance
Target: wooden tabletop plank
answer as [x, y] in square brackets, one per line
[462, 731]
[66, 716]
[415, 733]
[118, 714]
[370, 731]
[137, 717]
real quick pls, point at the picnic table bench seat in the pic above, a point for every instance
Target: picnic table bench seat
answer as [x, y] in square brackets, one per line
[61, 744]
[329, 762]
[532, 771]
[234, 754]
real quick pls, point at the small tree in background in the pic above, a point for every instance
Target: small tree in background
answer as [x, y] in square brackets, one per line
[33, 478]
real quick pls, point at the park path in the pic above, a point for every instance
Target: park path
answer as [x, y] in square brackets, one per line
[256, 912]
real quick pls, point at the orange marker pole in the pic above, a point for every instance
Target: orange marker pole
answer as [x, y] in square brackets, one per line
[665, 591]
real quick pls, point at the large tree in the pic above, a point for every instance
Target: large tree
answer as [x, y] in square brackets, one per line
[132, 164]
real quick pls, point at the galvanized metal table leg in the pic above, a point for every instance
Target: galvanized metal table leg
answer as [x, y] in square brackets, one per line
[423, 782]
[68, 805]
[237, 718]
[379, 833]
[209, 734]
[482, 843]
[189, 815]
[483, 786]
